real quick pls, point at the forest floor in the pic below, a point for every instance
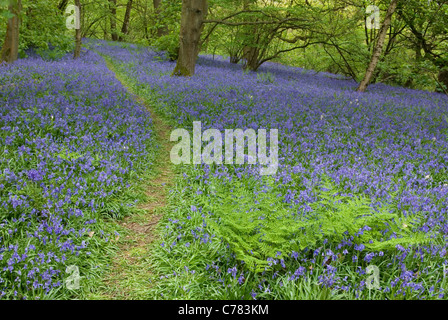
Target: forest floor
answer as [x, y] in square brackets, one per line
[130, 273]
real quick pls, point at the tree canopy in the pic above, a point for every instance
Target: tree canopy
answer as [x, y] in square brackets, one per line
[407, 48]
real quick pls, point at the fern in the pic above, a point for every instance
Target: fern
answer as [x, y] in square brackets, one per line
[265, 227]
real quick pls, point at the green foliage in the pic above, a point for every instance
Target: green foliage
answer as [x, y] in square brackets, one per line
[254, 231]
[190, 260]
[66, 155]
[263, 228]
[35, 194]
[265, 77]
[38, 122]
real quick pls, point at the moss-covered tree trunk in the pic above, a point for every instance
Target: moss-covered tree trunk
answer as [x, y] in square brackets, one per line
[78, 42]
[379, 47]
[191, 25]
[10, 50]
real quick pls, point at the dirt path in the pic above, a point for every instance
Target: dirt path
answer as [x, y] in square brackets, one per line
[129, 278]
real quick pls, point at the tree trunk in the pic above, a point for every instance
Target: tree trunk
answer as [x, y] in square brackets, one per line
[379, 47]
[10, 50]
[78, 33]
[161, 31]
[250, 56]
[193, 13]
[127, 17]
[234, 59]
[113, 19]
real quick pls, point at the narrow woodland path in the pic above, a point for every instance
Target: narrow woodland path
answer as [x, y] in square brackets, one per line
[129, 277]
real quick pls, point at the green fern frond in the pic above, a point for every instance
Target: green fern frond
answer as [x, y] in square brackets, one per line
[258, 229]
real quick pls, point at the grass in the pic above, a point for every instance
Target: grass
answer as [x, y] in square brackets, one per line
[189, 261]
